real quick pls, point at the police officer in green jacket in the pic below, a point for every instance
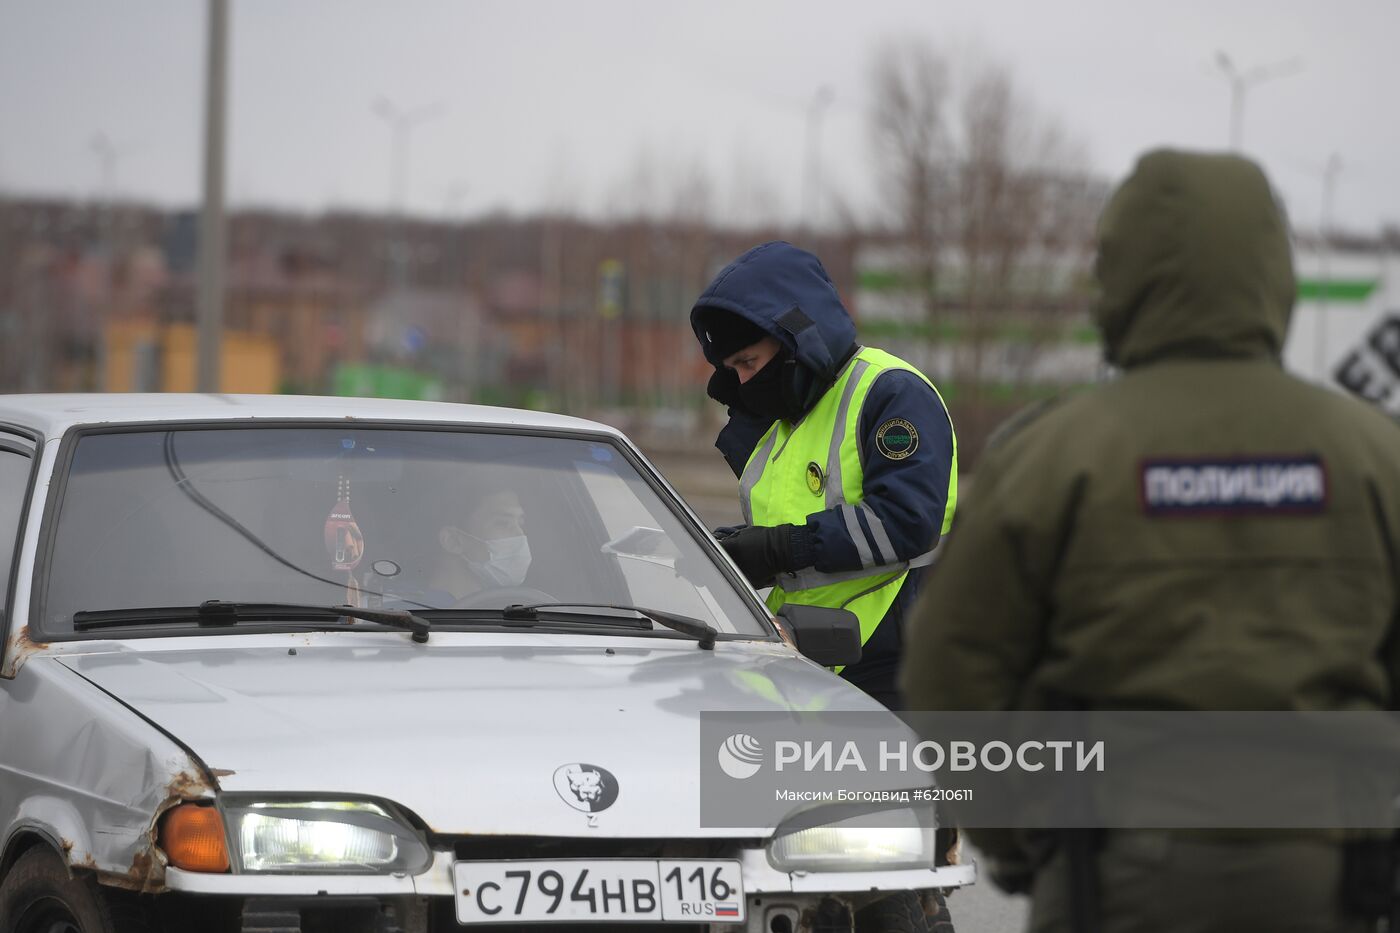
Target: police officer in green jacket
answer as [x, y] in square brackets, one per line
[1105, 564]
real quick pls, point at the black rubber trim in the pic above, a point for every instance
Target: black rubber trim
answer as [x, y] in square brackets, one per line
[35, 454]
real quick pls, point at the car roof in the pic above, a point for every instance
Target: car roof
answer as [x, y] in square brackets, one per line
[51, 415]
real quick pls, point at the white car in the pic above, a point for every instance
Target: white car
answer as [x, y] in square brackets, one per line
[286, 664]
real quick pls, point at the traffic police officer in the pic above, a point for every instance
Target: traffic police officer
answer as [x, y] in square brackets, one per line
[846, 455]
[1098, 567]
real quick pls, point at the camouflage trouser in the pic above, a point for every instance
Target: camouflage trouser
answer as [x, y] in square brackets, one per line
[1154, 882]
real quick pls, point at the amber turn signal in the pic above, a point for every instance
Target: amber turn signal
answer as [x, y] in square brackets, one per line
[192, 837]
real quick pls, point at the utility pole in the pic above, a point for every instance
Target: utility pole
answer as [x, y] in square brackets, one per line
[211, 227]
[811, 170]
[1242, 81]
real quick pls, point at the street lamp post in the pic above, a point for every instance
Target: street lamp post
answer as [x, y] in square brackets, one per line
[811, 171]
[401, 123]
[1242, 81]
[107, 157]
[1324, 250]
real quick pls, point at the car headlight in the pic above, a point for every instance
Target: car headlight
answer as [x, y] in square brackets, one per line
[847, 846]
[340, 836]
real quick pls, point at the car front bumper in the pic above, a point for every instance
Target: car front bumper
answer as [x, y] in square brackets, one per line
[759, 878]
[769, 892]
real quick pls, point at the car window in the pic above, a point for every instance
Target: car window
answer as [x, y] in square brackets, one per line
[641, 531]
[14, 484]
[416, 519]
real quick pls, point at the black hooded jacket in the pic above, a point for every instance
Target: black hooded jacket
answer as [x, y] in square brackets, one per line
[786, 293]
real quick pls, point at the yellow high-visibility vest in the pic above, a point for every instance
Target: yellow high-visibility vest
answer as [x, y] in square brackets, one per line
[815, 465]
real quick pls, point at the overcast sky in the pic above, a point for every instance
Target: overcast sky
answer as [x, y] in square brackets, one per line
[560, 103]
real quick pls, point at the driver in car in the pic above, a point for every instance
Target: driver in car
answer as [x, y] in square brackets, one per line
[483, 543]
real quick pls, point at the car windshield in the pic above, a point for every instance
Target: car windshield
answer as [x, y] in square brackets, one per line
[417, 519]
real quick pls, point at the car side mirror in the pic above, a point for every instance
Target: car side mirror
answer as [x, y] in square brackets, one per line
[831, 637]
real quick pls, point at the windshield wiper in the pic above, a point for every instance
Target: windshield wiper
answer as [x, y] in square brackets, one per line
[219, 612]
[702, 632]
[497, 618]
[215, 612]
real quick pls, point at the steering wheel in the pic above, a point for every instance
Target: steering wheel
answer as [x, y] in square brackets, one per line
[498, 597]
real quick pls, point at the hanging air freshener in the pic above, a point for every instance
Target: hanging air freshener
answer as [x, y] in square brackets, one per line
[343, 537]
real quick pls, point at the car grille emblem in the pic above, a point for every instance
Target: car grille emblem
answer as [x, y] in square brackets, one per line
[587, 788]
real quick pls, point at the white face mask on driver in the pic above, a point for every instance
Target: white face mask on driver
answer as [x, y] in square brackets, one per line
[508, 563]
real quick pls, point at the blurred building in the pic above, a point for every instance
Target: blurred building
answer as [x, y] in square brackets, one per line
[142, 355]
[65, 268]
[554, 312]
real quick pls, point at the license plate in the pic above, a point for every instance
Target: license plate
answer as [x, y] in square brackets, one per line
[590, 890]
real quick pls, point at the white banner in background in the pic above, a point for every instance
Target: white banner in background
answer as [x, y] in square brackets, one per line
[1372, 369]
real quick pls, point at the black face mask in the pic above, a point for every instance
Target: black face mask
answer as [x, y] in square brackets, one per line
[769, 393]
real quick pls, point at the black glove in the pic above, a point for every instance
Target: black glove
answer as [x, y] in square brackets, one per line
[727, 531]
[760, 552]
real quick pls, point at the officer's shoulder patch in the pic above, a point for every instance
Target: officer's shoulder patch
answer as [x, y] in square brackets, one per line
[1233, 485]
[897, 439]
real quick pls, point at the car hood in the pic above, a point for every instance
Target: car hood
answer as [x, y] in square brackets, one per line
[467, 735]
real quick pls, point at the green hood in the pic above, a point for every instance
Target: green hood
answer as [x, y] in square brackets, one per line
[1193, 261]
